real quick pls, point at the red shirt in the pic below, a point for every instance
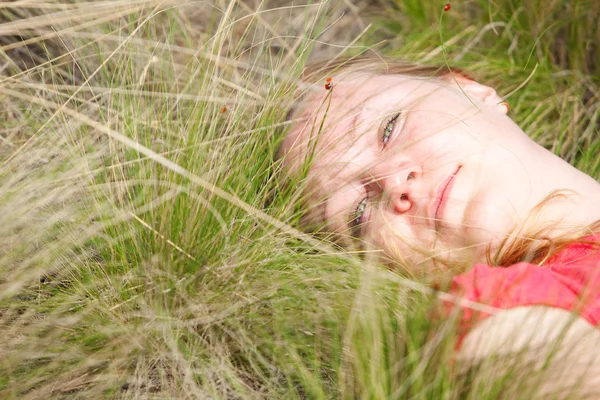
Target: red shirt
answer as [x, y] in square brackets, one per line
[569, 280]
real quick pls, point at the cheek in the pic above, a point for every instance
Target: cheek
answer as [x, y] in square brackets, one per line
[438, 147]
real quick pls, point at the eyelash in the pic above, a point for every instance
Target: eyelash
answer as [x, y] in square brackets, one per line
[359, 212]
[388, 129]
[358, 215]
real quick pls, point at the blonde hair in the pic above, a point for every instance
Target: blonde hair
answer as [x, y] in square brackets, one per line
[530, 241]
[535, 243]
[318, 71]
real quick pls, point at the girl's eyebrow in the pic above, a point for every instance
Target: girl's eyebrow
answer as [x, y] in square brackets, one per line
[352, 132]
[354, 122]
[337, 219]
[321, 210]
[342, 224]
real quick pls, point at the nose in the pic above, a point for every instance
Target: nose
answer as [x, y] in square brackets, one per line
[399, 189]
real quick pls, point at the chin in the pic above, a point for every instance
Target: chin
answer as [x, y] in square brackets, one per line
[486, 221]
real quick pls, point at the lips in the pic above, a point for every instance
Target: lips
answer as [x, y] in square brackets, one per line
[441, 198]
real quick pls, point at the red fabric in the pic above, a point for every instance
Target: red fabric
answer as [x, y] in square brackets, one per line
[569, 280]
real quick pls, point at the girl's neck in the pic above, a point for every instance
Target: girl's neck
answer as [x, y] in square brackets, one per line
[579, 204]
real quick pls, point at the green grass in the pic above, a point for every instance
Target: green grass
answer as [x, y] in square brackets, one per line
[123, 275]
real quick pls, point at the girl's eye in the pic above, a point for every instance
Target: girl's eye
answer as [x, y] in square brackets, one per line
[388, 129]
[358, 216]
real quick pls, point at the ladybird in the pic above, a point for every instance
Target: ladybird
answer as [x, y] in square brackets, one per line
[223, 109]
[447, 7]
[328, 84]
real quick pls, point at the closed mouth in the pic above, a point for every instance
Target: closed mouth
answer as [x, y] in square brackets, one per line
[442, 196]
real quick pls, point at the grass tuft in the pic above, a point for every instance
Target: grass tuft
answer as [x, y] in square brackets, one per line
[146, 251]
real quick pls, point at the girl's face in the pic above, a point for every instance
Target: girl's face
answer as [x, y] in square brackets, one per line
[416, 169]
